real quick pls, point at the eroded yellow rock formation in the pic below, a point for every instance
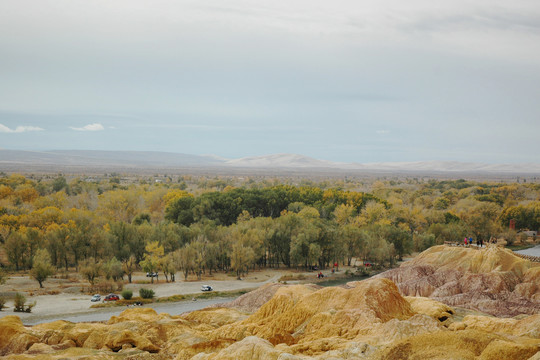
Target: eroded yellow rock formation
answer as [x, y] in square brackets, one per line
[362, 320]
[367, 319]
[492, 280]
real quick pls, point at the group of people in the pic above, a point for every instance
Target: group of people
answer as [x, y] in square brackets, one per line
[469, 241]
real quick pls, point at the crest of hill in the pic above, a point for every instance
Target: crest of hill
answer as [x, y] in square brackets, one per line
[282, 161]
[253, 300]
[489, 259]
[322, 313]
[492, 280]
[19, 159]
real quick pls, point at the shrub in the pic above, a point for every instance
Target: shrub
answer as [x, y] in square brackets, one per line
[127, 294]
[104, 287]
[146, 293]
[290, 277]
[29, 307]
[510, 236]
[363, 271]
[523, 237]
[18, 304]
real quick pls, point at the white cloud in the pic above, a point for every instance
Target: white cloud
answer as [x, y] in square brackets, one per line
[19, 129]
[89, 127]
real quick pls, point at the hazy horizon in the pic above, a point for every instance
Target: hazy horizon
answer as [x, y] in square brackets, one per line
[152, 159]
[342, 81]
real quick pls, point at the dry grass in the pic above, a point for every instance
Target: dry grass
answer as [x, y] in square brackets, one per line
[291, 277]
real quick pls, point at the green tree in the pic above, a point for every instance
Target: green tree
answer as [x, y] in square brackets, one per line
[481, 218]
[3, 277]
[168, 265]
[423, 241]
[451, 232]
[199, 250]
[241, 257]
[15, 248]
[113, 269]
[180, 210]
[509, 235]
[185, 259]
[441, 203]
[128, 240]
[129, 266]
[314, 253]
[141, 219]
[90, 270]
[212, 255]
[351, 237]
[400, 239]
[59, 183]
[42, 267]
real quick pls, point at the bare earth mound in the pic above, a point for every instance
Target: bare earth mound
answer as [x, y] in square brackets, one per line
[365, 320]
[491, 280]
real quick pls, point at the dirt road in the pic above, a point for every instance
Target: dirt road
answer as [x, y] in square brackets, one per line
[70, 302]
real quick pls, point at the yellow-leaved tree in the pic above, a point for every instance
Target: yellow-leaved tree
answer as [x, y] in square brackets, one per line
[154, 252]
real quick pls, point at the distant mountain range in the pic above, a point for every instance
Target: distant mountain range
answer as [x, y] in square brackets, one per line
[10, 159]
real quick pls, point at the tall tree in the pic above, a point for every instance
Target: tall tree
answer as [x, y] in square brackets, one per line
[41, 267]
[129, 266]
[154, 252]
[185, 259]
[241, 257]
[91, 270]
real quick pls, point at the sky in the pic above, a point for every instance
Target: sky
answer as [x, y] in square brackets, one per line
[342, 80]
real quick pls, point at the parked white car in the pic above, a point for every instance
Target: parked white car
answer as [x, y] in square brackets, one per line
[206, 288]
[96, 297]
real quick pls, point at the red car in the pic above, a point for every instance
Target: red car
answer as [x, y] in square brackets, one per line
[111, 297]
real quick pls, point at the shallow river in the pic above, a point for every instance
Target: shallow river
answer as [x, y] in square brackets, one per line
[534, 251]
[175, 308]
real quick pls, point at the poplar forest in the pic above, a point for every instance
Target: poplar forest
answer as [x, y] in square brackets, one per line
[112, 225]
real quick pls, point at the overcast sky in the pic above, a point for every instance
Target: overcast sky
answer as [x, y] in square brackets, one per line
[341, 80]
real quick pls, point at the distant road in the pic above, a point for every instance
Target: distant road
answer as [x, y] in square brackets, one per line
[534, 251]
[175, 308]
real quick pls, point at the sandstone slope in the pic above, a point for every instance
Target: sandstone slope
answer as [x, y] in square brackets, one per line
[364, 320]
[492, 280]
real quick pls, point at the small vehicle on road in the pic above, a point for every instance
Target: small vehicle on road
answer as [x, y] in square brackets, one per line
[95, 298]
[151, 274]
[206, 288]
[111, 297]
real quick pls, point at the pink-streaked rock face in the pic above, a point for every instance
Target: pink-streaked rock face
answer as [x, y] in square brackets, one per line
[368, 320]
[492, 280]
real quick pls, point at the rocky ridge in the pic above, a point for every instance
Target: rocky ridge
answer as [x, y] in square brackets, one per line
[370, 319]
[491, 280]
